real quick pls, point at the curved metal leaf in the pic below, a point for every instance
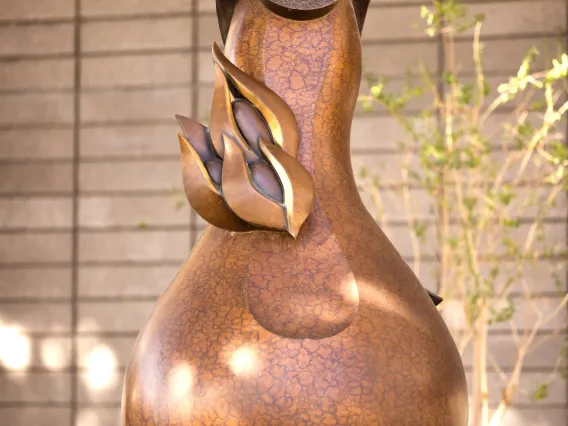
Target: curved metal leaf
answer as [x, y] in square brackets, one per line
[276, 112]
[242, 196]
[299, 191]
[203, 194]
[223, 119]
[198, 136]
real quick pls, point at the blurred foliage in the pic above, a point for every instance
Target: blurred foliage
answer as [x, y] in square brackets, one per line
[492, 162]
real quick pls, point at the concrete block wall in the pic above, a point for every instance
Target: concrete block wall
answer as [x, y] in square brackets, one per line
[92, 222]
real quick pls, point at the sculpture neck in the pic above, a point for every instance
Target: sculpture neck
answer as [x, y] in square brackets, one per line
[314, 65]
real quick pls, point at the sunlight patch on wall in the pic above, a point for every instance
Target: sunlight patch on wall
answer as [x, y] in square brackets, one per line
[453, 314]
[15, 348]
[101, 368]
[54, 354]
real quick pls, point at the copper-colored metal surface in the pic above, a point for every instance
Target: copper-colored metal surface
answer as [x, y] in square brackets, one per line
[226, 8]
[247, 159]
[221, 119]
[204, 194]
[297, 185]
[276, 112]
[241, 194]
[330, 328]
[266, 180]
[251, 124]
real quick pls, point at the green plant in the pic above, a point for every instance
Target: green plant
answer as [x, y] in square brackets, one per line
[492, 167]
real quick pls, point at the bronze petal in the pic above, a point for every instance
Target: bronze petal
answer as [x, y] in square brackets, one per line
[297, 183]
[198, 136]
[221, 117]
[276, 112]
[242, 196]
[203, 194]
[265, 179]
[223, 120]
[215, 167]
[251, 124]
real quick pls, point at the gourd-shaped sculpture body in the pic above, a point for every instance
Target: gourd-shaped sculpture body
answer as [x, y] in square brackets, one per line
[321, 325]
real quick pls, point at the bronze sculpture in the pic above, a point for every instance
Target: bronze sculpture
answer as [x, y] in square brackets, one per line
[294, 308]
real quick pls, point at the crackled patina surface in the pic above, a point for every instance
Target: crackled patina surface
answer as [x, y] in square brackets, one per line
[328, 328]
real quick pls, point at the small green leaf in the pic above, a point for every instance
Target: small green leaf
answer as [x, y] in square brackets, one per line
[563, 371]
[541, 392]
[179, 204]
[510, 246]
[377, 90]
[472, 307]
[174, 191]
[479, 17]
[419, 229]
[505, 314]
[558, 152]
[511, 223]
[449, 78]
[367, 105]
[486, 88]
[506, 195]
[527, 62]
[470, 202]
[465, 95]
[413, 174]
[453, 242]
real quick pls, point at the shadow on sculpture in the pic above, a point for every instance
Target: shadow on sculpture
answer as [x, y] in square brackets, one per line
[293, 308]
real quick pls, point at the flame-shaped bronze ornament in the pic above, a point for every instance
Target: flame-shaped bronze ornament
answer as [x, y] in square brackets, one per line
[242, 173]
[293, 308]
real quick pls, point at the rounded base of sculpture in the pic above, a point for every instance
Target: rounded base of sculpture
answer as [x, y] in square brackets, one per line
[203, 359]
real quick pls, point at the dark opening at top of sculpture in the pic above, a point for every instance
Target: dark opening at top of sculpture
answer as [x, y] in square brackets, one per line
[302, 4]
[291, 9]
[300, 9]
